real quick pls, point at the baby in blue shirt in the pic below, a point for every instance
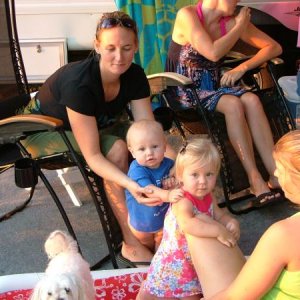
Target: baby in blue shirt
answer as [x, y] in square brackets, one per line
[150, 168]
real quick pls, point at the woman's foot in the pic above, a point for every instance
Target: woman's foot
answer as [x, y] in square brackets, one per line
[263, 191]
[273, 183]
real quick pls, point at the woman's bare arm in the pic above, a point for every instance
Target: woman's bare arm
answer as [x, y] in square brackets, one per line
[87, 135]
[188, 29]
[267, 49]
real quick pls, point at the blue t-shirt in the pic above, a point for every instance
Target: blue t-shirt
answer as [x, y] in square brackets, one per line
[142, 217]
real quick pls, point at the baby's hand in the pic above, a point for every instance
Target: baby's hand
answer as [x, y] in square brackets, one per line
[169, 183]
[226, 237]
[175, 195]
[234, 227]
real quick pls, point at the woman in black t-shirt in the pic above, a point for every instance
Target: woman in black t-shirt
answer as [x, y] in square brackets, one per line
[89, 96]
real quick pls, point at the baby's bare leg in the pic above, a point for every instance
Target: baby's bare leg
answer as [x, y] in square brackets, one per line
[157, 239]
[216, 264]
[145, 238]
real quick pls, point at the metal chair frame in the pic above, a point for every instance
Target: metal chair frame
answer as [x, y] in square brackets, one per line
[14, 128]
[233, 176]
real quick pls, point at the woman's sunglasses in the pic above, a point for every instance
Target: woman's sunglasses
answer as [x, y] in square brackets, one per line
[113, 22]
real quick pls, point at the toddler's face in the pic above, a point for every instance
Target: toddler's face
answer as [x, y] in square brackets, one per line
[148, 149]
[199, 180]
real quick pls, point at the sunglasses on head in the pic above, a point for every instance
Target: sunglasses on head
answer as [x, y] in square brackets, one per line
[112, 22]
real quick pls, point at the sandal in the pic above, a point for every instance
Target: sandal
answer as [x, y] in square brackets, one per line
[132, 264]
[268, 198]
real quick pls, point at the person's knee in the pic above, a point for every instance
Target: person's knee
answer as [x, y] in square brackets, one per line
[233, 107]
[252, 102]
[118, 155]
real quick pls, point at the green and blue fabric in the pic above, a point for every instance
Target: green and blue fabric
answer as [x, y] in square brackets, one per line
[155, 19]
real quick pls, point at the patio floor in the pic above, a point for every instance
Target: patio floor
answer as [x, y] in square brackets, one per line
[22, 237]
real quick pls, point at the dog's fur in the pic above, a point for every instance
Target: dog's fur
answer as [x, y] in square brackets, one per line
[67, 276]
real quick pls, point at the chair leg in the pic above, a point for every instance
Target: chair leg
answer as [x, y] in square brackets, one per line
[95, 186]
[18, 208]
[59, 205]
[62, 174]
[106, 218]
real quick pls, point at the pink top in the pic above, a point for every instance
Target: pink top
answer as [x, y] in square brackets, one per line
[222, 21]
[204, 205]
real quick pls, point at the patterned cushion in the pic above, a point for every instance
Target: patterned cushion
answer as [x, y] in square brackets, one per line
[121, 287]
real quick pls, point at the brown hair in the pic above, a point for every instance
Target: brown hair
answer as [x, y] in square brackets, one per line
[118, 16]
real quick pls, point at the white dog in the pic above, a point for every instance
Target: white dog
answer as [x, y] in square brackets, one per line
[68, 275]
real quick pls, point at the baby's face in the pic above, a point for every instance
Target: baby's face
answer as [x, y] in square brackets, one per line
[148, 149]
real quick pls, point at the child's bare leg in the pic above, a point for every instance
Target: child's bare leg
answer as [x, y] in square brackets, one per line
[145, 238]
[157, 239]
[216, 264]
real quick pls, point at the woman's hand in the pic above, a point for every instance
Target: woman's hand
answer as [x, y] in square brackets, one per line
[143, 195]
[230, 77]
[243, 17]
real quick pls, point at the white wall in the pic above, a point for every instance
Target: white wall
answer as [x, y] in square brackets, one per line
[75, 20]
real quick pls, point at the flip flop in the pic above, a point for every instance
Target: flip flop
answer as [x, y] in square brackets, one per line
[267, 198]
[277, 191]
[132, 264]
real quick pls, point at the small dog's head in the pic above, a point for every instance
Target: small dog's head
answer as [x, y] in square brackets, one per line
[58, 287]
[59, 241]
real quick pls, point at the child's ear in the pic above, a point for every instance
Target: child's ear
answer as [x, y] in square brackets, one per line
[131, 151]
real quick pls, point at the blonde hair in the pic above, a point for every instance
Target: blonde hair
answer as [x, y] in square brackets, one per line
[144, 126]
[117, 15]
[287, 151]
[200, 150]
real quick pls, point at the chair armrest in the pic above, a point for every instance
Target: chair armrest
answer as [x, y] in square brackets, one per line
[33, 119]
[172, 78]
[20, 126]
[235, 58]
[160, 81]
[276, 61]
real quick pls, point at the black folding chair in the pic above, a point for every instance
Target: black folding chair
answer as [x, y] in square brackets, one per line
[198, 120]
[14, 95]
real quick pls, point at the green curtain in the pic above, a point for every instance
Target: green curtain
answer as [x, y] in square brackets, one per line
[155, 20]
